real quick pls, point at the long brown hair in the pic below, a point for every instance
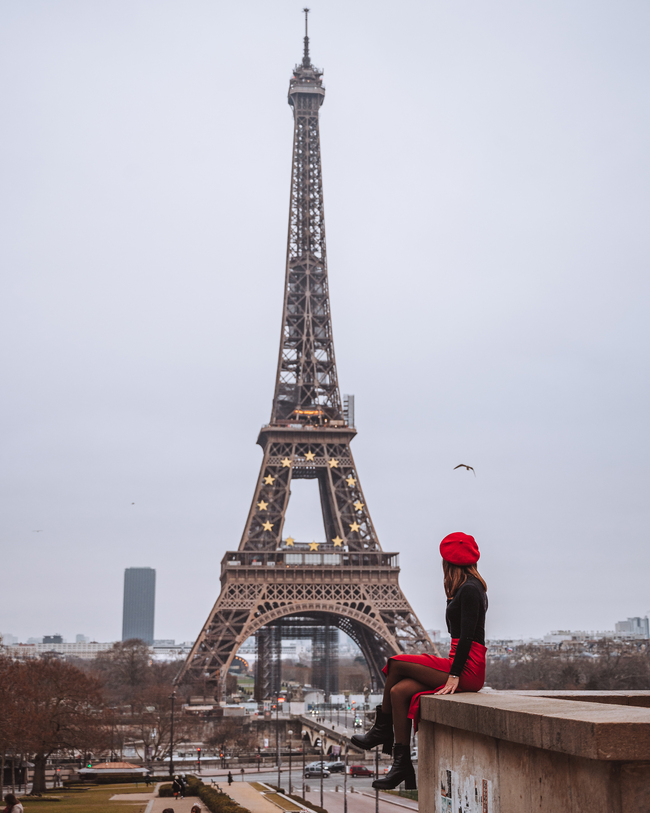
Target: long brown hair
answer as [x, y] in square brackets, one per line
[457, 575]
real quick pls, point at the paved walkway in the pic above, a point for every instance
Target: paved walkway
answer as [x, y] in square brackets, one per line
[247, 797]
[157, 805]
[362, 802]
[132, 797]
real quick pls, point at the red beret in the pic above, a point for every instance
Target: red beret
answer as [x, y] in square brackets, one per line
[460, 549]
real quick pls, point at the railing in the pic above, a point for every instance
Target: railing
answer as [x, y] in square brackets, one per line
[295, 557]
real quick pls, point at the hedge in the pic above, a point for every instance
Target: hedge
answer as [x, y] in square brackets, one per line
[218, 802]
[214, 800]
[300, 800]
[191, 789]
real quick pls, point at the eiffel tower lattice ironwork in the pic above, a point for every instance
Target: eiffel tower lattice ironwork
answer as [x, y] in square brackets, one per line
[347, 582]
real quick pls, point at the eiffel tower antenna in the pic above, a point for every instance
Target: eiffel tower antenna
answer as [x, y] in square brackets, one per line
[274, 586]
[306, 62]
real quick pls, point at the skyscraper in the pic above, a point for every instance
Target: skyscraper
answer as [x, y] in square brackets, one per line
[139, 603]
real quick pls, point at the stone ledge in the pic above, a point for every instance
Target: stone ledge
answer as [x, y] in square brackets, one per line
[639, 697]
[594, 730]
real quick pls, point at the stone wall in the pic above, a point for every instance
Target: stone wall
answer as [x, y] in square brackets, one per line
[509, 752]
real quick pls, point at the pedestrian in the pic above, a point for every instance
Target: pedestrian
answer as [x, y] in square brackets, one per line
[195, 808]
[13, 805]
[411, 676]
[177, 787]
[229, 778]
[242, 774]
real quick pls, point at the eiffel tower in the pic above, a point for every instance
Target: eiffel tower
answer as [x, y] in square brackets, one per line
[274, 587]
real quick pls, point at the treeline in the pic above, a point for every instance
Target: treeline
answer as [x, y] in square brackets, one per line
[47, 705]
[51, 707]
[603, 665]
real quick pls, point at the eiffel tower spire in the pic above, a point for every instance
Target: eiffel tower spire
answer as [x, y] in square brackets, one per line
[306, 383]
[306, 62]
[275, 586]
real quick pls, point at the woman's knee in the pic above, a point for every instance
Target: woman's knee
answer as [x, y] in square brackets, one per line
[394, 667]
[399, 691]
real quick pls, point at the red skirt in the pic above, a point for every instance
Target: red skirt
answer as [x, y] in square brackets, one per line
[472, 677]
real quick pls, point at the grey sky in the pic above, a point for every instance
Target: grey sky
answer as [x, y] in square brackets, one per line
[486, 173]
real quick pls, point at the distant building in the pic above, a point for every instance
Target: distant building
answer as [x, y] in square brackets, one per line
[437, 637]
[166, 649]
[560, 636]
[139, 603]
[53, 639]
[86, 651]
[81, 639]
[634, 626]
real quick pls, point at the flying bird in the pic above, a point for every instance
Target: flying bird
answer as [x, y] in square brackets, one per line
[132, 503]
[40, 530]
[464, 466]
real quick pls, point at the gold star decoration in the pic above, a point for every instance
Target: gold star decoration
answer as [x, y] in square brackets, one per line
[310, 456]
[313, 546]
[268, 480]
[351, 481]
[355, 526]
[289, 541]
[262, 505]
[286, 462]
[337, 541]
[358, 505]
[334, 463]
[268, 526]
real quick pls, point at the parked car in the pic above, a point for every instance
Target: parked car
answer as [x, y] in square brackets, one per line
[335, 767]
[316, 771]
[360, 770]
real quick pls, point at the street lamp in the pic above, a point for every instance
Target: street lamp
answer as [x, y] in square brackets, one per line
[322, 735]
[172, 697]
[277, 742]
[277, 735]
[290, 733]
[302, 741]
[113, 758]
[345, 782]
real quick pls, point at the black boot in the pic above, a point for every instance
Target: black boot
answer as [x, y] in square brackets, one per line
[401, 771]
[380, 734]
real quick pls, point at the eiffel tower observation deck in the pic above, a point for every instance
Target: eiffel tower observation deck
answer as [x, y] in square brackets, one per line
[273, 586]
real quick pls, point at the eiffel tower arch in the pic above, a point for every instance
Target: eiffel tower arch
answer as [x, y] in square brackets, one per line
[271, 583]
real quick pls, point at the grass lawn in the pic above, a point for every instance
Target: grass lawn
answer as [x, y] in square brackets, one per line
[94, 800]
[246, 683]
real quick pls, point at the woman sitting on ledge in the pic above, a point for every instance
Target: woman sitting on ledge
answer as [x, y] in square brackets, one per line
[411, 676]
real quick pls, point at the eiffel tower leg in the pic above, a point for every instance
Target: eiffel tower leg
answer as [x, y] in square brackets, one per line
[268, 666]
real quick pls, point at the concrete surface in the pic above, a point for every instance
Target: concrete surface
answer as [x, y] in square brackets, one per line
[616, 698]
[590, 730]
[504, 752]
[247, 797]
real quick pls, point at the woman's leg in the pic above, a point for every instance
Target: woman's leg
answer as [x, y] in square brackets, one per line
[400, 697]
[400, 670]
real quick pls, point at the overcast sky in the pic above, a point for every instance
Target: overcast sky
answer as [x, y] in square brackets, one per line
[486, 170]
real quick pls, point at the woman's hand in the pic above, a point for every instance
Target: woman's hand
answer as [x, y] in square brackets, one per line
[450, 686]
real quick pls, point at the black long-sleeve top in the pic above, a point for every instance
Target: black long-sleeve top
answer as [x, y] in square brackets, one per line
[466, 620]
